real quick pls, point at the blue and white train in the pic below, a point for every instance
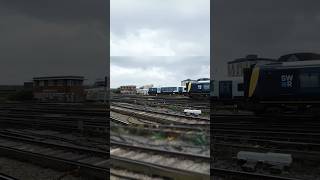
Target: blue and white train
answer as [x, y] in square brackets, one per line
[227, 89]
[167, 90]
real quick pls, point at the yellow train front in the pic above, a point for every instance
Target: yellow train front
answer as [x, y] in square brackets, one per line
[199, 89]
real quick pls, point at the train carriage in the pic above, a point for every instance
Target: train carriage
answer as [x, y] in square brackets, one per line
[280, 85]
[199, 89]
[172, 90]
[154, 91]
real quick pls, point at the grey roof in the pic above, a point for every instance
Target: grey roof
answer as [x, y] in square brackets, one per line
[59, 78]
[255, 59]
[188, 80]
[203, 79]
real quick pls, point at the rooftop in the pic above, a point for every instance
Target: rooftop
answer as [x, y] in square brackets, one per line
[299, 57]
[59, 78]
[188, 80]
[251, 58]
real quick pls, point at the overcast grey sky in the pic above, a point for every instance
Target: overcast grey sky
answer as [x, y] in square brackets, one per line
[157, 70]
[46, 37]
[143, 30]
[269, 28]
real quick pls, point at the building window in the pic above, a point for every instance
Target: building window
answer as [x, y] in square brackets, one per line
[46, 83]
[37, 83]
[60, 83]
[51, 83]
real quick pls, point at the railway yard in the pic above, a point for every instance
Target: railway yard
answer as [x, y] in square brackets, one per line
[61, 141]
[292, 146]
[163, 142]
[294, 137]
[149, 139]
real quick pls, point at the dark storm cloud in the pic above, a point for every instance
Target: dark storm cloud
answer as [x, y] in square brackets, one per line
[269, 28]
[52, 38]
[72, 11]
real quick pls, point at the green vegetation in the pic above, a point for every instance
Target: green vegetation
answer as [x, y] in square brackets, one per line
[173, 108]
[159, 136]
[200, 140]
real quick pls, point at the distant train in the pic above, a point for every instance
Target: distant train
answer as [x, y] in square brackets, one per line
[278, 86]
[219, 90]
[154, 91]
[201, 88]
[167, 90]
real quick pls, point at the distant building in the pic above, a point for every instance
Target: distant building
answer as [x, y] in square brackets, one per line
[129, 89]
[97, 92]
[146, 86]
[235, 67]
[184, 82]
[59, 88]
[100, 83]
[142, 91]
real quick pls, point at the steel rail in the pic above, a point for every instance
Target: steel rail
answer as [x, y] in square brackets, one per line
[164, 152]
[153, 169]
[240, 175]
[6, 177]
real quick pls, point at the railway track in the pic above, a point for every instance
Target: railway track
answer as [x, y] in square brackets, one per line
[122, 174]
[168, 164]
[160, 117]
[161, 100]
[297, 135]
[175, 104]
[54, 120]
[172, 129]
[285, 133]
[92, 162]
[6, 177]
[102, 112]
[83, 161]
[219, 173]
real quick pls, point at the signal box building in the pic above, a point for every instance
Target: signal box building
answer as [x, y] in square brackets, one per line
[59, 88]
[130, 89]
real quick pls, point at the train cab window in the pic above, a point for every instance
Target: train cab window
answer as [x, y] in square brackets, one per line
[199, 86]
[240, 87]
[309, 80]
[206, 86]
